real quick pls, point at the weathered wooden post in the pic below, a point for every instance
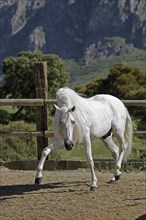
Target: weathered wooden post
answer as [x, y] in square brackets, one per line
[41, 112]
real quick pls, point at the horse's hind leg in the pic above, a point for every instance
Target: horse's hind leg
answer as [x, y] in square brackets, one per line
[123, 146]
[115, 153]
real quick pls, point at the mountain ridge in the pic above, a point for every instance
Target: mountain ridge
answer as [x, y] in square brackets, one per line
[70, 28]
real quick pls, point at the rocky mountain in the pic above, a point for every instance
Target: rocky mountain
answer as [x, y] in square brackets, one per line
[70, 28]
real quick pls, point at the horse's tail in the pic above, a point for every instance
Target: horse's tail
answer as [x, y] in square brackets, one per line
[128, 134]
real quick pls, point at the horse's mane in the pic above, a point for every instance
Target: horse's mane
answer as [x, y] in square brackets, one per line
[68, 97]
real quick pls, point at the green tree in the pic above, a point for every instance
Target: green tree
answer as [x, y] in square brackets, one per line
[127, 82]
[139, 113]
[123, 81]
[91, 88]
[19, 77]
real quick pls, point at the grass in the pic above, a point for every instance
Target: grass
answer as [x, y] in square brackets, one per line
[78, 152]
[138, 148]
[99, 151]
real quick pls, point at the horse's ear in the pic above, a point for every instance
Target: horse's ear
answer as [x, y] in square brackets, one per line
[57, 108]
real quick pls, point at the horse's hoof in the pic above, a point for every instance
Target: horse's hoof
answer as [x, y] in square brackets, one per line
[117, 177]
[93, 189]
[112, 181]
[38, 180]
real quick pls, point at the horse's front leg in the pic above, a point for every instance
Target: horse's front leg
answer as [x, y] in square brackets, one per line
[46, 151]
[91, 164]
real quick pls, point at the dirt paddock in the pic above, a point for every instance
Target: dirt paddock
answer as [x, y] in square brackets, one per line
[65, 195]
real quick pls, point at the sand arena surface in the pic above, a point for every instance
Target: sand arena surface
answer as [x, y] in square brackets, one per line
[65, 195]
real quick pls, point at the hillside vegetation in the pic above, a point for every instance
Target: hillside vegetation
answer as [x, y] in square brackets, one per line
[100, 65]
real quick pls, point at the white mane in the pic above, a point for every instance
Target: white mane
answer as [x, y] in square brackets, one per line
[68, 97]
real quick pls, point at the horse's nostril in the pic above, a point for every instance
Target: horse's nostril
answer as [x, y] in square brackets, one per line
[69, 148]
[68, 145]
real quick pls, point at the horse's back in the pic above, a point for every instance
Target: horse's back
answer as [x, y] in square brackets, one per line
[107, 100]
[110, 112]
[110, 105]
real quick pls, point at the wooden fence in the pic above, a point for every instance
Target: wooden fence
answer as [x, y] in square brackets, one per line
[41, 103]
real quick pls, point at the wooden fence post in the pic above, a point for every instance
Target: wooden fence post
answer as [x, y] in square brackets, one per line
[41, 112]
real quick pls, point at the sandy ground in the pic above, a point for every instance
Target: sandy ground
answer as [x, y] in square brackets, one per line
[65, 195]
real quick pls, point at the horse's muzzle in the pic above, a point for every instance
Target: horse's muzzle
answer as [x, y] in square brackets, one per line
[68, 145]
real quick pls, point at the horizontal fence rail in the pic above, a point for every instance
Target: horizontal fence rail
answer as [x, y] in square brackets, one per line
[134, 102]
[27, 102]
[43, 102]
[47, 134]
[28, 133]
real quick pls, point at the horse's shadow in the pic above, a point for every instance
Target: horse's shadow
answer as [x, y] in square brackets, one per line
[142, 217]
[6, 191]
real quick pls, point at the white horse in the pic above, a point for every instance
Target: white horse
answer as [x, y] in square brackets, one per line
[79, 119]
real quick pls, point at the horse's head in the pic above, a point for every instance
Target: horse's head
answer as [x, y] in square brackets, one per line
[66, 125]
